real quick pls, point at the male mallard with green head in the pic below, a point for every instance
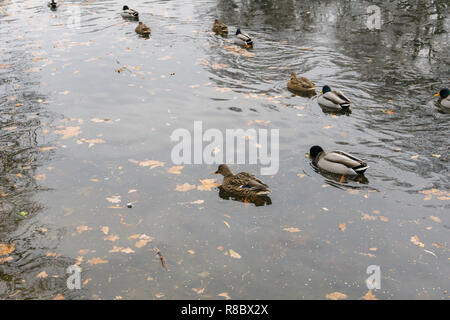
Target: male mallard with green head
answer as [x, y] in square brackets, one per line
[444, 98]
[243, 39]
[220, 28]
[143, 29]
[300, 83]
[242, 184]
[128, 13]
[333, 99]
[337, 162]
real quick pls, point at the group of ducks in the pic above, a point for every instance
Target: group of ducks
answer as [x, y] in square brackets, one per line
[337, 162]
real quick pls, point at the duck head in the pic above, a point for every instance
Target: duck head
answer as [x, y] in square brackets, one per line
[125, 8]
[325, 89]
[293, 75]
[238, 31]
[224, 170]
[444, 93]
[314, 151]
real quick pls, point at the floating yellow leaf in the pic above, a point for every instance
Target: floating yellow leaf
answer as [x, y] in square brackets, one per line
[42, 275]
[95, 261]
[342, 226]
[6, 249]
[105, 230]
[111, 238]
[225, 295]
[82, 228]
[336, 296]
[148, 163]
[234, 254]
[435, 219]
[292, 229]
[69, 132]
[415, 240]
[208, 184]
[184, 187]
[175, 169]
[114, 199]
[369, 296]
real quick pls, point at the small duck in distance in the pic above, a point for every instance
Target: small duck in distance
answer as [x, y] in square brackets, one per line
[333, 99]
[243, 39]
[300, 84]
[143, 29]
[444, 98]
[128, 13]
[338, 162]
[242, 184]
[220, 28]
[52, 4]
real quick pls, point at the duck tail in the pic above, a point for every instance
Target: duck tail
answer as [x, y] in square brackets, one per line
[345, 105]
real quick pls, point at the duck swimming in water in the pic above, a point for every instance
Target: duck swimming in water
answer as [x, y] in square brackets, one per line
[52, 4]
[300, 84]
[143, 29]
[243, 39]
[333, 99]
[220, 28]
[337, 162]
[242, 184]
[444, 98]
[128, 13]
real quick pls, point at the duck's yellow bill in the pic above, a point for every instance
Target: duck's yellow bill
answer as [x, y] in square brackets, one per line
[437, 95]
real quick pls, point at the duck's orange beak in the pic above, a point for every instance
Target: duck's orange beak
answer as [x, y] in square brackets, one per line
[437, 95]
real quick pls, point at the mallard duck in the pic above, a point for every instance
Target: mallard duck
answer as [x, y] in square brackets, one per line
[444, 98]
[243, 39]
[128, 13]
[300, 84]
[333, 99]
[143, 29]
[242, 184]
[220, 28]
[338, 162]
[52, 4]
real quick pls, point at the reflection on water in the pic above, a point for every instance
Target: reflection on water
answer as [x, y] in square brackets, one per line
[86, 117]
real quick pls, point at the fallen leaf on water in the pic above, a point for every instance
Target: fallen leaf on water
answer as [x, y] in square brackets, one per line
[6, 259]
[95, 261]
[111, 238]
[336, 296]
[161, 257]
[301, 175]
[175, 169]
[66, 92]
[384, 219]
[366, 216]
[42, 275]
[415, 157]
[105, 230]
[234, 254]
[435, 219]
[227, 224]
[342, 226]
[6, 248]
[43, 149]
[40, 177]
[369, 296]
[388, 111]
[184, 187]
[82, 228]
[191, 251]
[114, 199]
[292, 229]
[121, 249]
[91, 142]
[59, 296]
[143, 240]
[415, 240]
[225, 295]
[148, 163]
[208, 184]
[69, 132]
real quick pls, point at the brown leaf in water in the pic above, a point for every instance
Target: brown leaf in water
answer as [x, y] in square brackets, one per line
[191, 251]
[225, 295]
[91, 142]
[69, 132]
[366, 216]
[234, 254]
[148, 163]
[342, 226]
[175, 169]
[227, 224]
[40, 177]
[370, 296]
[95, 261]
[208, 184]
[82, 228]
[384, 219]
[6, 249]
[435, 219]
[336, 296]
[143, 240]
[198, 290]
[105, 230]
[415, 240]
[291, 229]
[59, 296]
[42, 275]
[161, 257]
[114, 199]
[111, 238]
[184, 187]
[5, 259]
[121, 249]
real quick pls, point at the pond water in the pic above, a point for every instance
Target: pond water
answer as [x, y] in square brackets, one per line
[85, 104]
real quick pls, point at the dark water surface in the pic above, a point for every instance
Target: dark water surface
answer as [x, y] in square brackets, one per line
[75, 134]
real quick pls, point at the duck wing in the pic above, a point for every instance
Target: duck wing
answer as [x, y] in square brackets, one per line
[334, 98]
[244, 37]
[247, 180]
[346, 159]
[341, 95]
[306, 82]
